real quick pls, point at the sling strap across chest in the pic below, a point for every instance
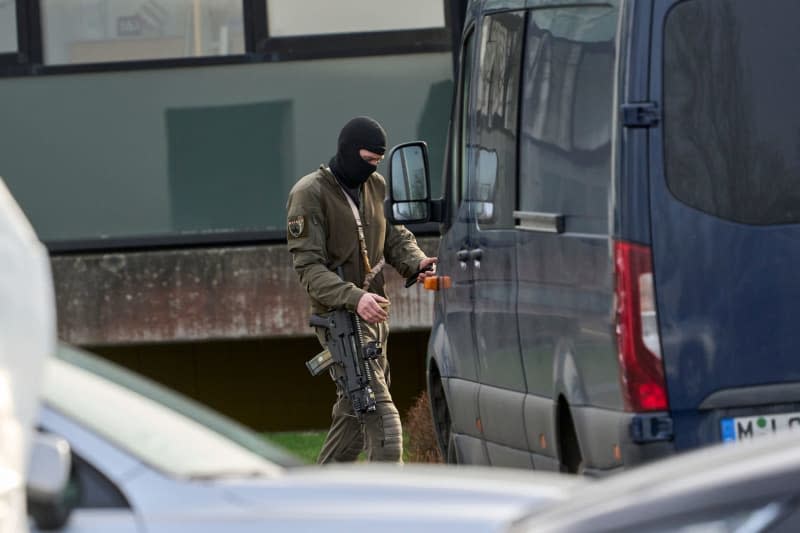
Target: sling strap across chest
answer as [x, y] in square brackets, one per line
[362, 242]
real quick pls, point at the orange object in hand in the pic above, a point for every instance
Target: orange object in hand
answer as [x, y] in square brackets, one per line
[437, 283]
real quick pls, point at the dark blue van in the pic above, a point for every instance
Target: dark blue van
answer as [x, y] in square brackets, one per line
[620, 249]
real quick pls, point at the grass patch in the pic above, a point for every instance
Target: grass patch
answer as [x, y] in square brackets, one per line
[307, 444]
[304, 444]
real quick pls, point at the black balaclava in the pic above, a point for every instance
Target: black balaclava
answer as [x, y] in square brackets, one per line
[347, 165]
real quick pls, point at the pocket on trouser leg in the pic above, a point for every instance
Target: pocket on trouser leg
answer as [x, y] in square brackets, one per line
[385, 435]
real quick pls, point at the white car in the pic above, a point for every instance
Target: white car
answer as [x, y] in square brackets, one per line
[27, 338]
[145, 459]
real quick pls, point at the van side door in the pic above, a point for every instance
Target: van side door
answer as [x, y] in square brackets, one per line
[492, 253]
[566, 282]
[454, 330]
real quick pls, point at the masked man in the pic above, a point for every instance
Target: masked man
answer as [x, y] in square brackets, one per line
[336, 224]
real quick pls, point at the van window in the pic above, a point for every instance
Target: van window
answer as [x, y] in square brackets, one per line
[492, 149]
[731, 119]
[567, 108]
[465, 98]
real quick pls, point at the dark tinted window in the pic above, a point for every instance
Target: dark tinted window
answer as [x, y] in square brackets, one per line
[731, 119]
[565, 146]
[92, 489]
[492, 150]
[465, 98]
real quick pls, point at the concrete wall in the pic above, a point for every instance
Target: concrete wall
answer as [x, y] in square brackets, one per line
[200, 294]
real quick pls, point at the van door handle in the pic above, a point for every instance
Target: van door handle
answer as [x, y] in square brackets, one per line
[476, 255]
[542, 222]
[462, 256]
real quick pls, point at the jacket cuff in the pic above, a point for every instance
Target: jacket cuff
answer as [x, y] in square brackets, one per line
[352, 299]
[412, 265]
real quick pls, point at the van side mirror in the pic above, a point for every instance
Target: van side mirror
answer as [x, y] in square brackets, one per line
[408, 191]
[48, 481]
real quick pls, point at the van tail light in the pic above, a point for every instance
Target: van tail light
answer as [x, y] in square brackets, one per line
[641, 368]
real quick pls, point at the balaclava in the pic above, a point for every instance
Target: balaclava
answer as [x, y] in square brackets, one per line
[347, 165]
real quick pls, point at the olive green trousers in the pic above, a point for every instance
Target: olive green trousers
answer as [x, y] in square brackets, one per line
[378, 432]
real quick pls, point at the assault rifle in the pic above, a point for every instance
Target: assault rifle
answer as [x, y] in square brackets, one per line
[345, 348]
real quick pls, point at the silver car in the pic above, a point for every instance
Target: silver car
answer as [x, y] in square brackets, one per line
[747, 487]
[141, 458]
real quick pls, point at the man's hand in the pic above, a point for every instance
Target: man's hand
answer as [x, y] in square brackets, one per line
[427, 268]
[369, 308]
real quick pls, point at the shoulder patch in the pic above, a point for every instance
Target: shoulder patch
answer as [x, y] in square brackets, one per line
[297, 226]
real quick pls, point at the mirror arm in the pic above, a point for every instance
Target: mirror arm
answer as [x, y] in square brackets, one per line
[438, 208]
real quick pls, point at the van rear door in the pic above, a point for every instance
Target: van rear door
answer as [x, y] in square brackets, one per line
[725, 209]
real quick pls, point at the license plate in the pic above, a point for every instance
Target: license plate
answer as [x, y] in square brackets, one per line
[752, 427]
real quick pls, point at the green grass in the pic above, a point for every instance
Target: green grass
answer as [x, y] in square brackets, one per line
[307, 444]
[304, 444]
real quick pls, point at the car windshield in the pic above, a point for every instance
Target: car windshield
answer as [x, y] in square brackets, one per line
[173, 434]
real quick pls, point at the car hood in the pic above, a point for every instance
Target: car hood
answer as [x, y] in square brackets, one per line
[391, 498]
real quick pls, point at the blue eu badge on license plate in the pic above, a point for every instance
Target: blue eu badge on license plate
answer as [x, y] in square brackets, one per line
[728, 430]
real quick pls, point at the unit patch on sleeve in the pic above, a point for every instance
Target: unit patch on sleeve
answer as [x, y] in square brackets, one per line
[297, 226]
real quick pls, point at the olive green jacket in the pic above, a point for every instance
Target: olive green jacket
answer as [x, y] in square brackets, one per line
[322, 236]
